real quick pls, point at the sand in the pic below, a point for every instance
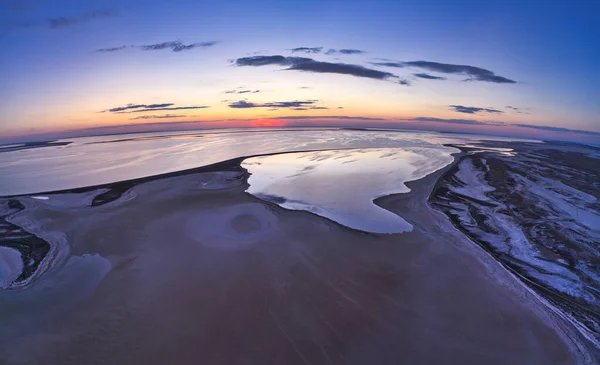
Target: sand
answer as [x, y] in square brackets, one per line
[184, 274]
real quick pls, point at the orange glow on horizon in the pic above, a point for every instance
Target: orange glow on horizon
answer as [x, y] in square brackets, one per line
[267, 123]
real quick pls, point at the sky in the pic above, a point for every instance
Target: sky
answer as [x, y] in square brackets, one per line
[522, 68]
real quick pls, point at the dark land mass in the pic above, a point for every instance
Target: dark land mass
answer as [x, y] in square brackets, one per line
[538, 217]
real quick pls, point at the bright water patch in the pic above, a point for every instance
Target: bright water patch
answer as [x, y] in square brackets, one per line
[100, 160]
[342, 184]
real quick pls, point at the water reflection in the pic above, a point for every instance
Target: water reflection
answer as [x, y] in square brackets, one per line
[91, 161]
[341, 185]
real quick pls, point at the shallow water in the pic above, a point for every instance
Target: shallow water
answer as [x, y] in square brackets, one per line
[341, 185]
[100, 160]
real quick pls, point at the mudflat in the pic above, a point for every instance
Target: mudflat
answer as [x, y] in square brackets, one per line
[192, 269]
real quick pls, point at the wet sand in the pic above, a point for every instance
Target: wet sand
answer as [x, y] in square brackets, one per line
[178, 271]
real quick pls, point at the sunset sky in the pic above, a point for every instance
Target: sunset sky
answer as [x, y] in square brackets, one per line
[72, 67]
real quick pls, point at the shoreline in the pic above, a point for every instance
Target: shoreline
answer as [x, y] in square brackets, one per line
[567, 327]
[233, 164]
[546, 296]
[412, 206]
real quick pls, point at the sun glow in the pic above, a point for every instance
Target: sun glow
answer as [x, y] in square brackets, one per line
[267, 123]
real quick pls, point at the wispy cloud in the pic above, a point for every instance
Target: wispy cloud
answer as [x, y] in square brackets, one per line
[428, 76]
[242, 90]
[61, 22]
[270, 60]
[166, 116]
[64, 21]
[307, 49]
[137, 106]
[330, 51]
[474, 73]
[143, 108]
[344, 51]
[112, 49]
[345, 117]
[517, 110]
[304, 104]
[173, 108]
[503, 125]
[557, 129]
[310, 65]
[175, 46]
[473, 110]
[312, 108]
[452, 121]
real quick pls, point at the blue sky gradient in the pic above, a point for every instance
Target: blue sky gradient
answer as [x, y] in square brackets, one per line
[54, 79]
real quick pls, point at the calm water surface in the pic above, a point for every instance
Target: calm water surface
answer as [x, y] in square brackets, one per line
[342, 184]
[99, 160]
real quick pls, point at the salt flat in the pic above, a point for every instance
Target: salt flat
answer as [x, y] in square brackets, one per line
[206, 264]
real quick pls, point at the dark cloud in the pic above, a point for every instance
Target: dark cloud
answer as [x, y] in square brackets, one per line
[112, 49]
[345, 51]
[137, 106]
[556, 129]
[174, 46]
[163, 109]
[242, 91]
[63, 21]
[473, 110]
[388, 64]
[428, 76]
[312, 108]
[331, 51]
[310, 65]
[345, 117]
[452, 121]
[142, 108]
[404, 82]
[270, 60]
[475, 73]
[60, 21]
[307, 49]
[167, 116]
[351, 51]
[516, 110]
[341, 68]
[242, 104]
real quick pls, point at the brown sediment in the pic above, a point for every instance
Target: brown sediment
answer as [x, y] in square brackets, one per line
[221, 277]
